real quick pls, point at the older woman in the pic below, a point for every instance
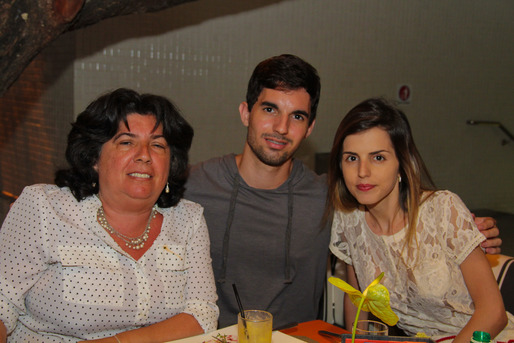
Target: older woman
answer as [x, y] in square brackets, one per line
[110, 253]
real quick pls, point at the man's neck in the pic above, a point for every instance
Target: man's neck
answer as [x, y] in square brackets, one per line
[260, 175]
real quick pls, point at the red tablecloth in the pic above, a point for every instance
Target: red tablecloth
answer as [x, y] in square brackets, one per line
[310, 330]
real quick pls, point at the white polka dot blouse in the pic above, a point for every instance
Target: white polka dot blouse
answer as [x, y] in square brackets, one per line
[63, 278]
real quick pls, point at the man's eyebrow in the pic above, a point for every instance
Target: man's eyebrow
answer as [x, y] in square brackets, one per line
[269, 104]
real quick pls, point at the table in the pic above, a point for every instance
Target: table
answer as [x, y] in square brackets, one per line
[308, 331]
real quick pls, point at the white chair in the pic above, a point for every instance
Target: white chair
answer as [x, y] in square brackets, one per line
[333, 296]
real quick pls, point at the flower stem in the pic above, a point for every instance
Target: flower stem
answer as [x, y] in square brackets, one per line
[354, 330]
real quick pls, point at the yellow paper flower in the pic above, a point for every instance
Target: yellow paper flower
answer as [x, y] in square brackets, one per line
[376, 298]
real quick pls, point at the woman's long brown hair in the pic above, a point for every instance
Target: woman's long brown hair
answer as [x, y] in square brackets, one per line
[416, 184]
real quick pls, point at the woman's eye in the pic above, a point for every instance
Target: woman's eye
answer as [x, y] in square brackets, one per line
[379, 158]
[351, 158]
[160, 144]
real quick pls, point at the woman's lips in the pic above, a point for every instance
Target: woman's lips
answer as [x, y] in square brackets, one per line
[365, 187]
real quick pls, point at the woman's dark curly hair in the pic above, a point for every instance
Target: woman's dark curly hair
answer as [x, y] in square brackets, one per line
[100, 122]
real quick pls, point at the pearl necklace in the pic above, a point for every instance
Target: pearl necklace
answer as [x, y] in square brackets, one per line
[135, 243]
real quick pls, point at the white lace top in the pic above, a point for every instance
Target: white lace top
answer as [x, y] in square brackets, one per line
[429, 295]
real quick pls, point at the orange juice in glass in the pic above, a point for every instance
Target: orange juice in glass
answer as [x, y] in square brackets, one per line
[256, 327]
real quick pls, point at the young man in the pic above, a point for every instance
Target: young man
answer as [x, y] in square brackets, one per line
[264, 209]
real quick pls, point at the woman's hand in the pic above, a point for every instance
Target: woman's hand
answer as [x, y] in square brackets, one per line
[3, 332]
[180, 326]
[103, 340]
[487, 226]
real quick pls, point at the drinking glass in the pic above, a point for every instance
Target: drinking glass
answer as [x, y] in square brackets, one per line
[256, 327]
[371, 327]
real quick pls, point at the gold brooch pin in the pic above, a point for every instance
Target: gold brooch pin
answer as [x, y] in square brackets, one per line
[171, 251]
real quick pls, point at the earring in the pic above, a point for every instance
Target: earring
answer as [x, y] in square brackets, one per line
[93, 184]
[399, 179]
[167, 190]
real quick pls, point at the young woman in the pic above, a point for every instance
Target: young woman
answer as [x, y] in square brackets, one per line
[389, 218]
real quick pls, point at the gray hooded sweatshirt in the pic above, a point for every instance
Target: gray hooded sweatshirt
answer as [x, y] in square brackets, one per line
[271, 243]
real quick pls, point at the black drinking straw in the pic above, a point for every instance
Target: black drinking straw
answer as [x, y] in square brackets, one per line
[240, 308]
[238, 301]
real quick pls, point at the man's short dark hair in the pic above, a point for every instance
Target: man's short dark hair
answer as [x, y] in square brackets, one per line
[286, 72]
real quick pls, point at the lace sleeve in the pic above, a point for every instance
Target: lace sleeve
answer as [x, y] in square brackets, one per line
[462, 235]
[338, 243]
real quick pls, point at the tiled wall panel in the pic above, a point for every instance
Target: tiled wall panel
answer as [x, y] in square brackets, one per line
[458, 57]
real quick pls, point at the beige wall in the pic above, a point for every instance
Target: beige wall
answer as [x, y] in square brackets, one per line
[458, 57]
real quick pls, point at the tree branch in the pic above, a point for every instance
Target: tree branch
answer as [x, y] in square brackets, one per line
[27, 26]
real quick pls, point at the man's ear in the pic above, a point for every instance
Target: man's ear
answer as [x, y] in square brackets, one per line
[244, 113]
[309, 130]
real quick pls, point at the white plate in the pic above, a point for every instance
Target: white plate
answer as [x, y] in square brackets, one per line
[231, 332]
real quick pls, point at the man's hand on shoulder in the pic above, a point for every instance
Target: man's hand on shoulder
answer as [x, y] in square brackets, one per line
[487, 226]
